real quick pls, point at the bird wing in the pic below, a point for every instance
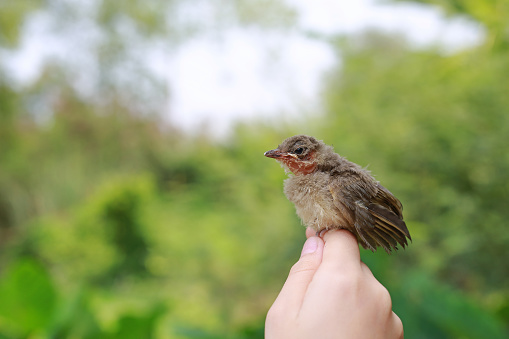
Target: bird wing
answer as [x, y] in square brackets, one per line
[377, 214]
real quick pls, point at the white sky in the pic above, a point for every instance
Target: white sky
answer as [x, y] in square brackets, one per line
[252, 74]
[249, 75]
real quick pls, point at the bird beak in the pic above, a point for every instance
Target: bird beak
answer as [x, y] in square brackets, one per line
[273, 153]
[276, 154]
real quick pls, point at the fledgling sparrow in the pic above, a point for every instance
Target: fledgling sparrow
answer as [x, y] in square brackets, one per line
[330, 192]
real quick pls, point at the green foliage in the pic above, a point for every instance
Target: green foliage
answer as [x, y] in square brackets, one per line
[28, 299]
[433, 129]
[11, 14]
[439, 145]
[492, 14]
[75, 318]
[115, 225]
[119, 214]
[102, 240]
[444, 311]
[133, 326]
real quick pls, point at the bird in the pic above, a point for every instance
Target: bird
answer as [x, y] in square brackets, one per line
[330, 192]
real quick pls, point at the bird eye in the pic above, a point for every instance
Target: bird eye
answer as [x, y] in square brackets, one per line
[299, 150]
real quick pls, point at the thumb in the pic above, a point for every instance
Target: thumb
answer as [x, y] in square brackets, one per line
[293, 292]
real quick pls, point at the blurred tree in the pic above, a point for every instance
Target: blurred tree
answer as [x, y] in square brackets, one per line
[492, 14]
[121, 225]
[12, 13]
[444, 134]
[99, 81]
[91, 116]
[116, 52]
[28, 299]
[7, 147]
[433, 128]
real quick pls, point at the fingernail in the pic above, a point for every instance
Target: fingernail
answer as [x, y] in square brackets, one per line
[310, 246]
[322, 233]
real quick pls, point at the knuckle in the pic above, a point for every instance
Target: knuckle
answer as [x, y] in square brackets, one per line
[275, 314]
[383, 296]
[277, 317]
[346, 282]
[272, 314]
[271, 320]
[398, 326]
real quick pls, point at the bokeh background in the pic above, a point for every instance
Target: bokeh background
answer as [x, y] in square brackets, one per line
[116, 221]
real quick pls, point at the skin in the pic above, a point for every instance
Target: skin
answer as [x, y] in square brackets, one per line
[324, 297]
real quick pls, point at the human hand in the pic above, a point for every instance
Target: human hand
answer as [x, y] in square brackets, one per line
[330, 293]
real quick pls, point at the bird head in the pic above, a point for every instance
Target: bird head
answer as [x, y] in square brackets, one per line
[300, 154]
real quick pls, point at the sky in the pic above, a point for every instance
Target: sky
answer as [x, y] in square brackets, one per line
[249, 75]
[253, 74]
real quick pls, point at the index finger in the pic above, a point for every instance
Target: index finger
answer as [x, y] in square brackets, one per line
[341, 249]
[310, 232]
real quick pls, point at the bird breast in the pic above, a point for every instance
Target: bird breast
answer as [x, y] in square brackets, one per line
[313, 201]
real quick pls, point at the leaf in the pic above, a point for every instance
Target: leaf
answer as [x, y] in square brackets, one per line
[447, 311]
[28, 298]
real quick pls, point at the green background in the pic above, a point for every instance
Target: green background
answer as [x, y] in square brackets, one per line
[115, 224]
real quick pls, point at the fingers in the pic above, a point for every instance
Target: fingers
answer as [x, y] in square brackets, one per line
[310, 232]
[292, 294]
[366, 270]
[339, 272]
[341, 249]
[397, 327]
[329, 291]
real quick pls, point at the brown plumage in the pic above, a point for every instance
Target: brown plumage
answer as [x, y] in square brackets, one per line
[331, 192]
